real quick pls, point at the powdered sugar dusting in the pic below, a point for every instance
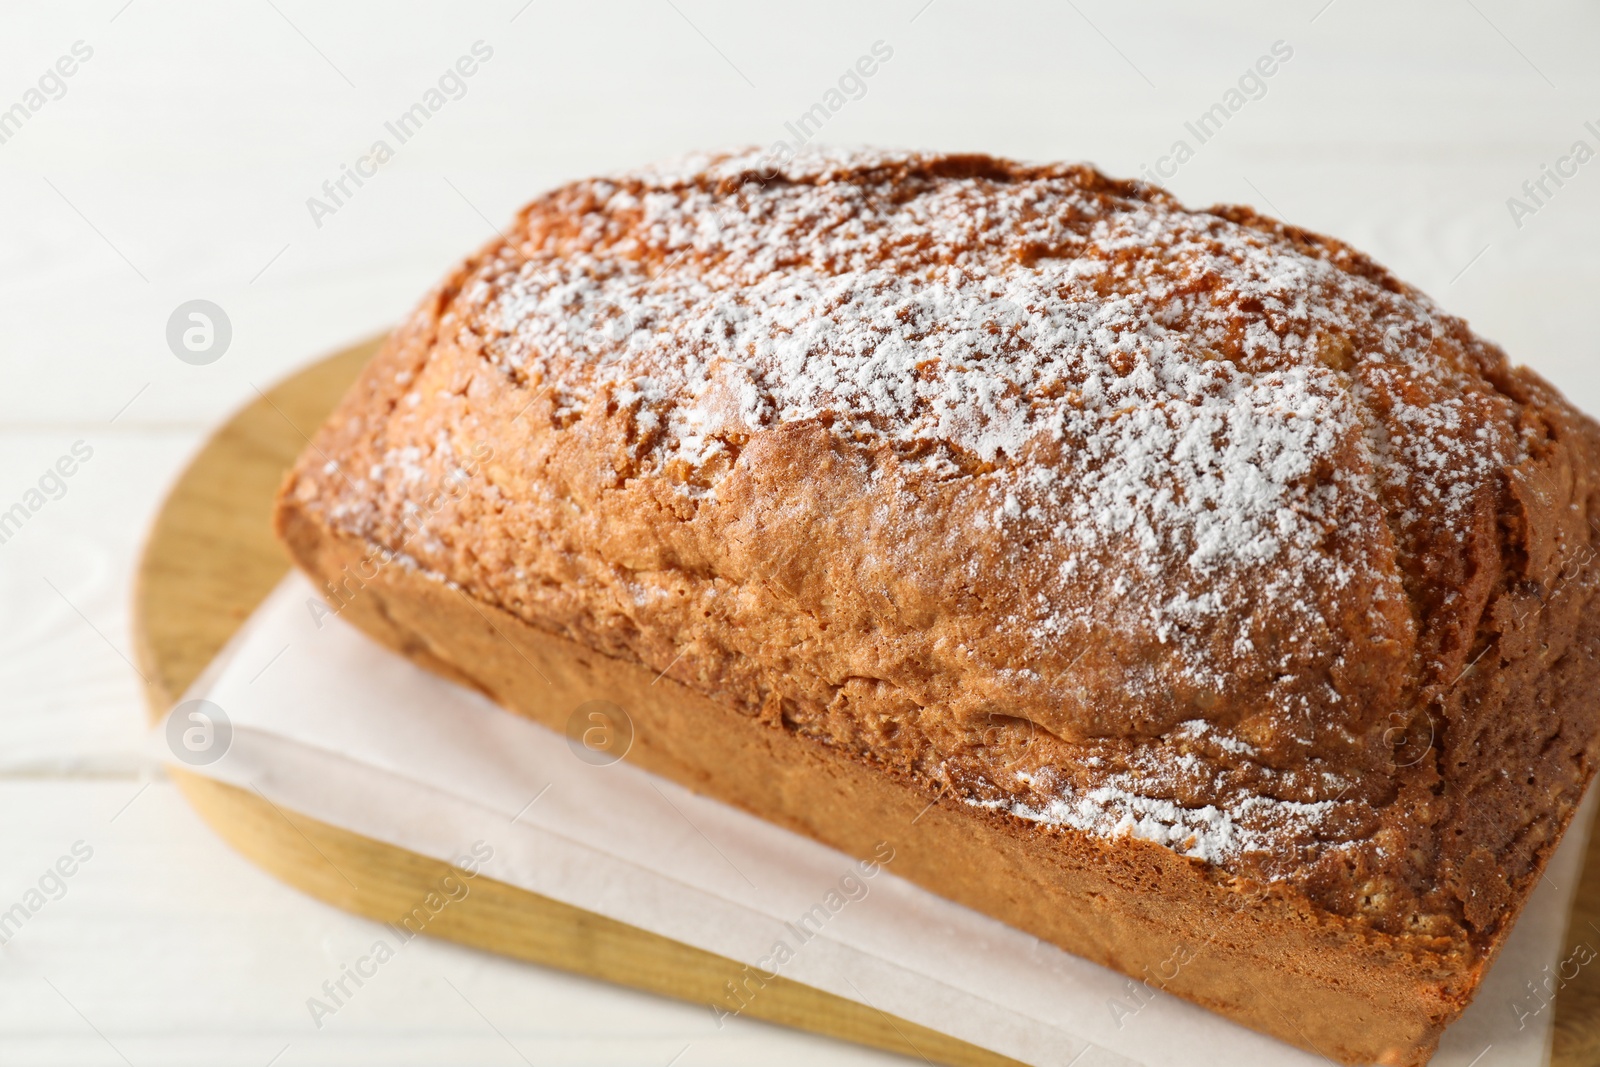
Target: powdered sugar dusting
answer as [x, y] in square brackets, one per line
[1171, 365]
[1198, 438]
[1210, 833]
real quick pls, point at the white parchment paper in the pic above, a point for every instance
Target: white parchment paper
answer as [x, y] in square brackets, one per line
[322, 721]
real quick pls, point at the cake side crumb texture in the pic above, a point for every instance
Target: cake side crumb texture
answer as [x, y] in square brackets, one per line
[1029, 487]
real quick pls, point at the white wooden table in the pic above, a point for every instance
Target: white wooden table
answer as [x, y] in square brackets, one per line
[175, 162]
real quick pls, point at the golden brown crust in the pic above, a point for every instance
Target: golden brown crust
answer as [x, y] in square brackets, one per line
[1259, 955]
[1359, 998]
[1034, 491]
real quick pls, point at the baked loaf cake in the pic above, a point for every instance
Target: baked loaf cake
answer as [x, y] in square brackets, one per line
[1173, 585]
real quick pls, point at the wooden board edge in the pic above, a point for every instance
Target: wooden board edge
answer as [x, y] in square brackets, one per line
[186, 604]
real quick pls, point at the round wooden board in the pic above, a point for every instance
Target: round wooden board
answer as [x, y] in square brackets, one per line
[211, 559]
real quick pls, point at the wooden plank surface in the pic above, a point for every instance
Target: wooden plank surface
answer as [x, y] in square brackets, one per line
[209, 561]
[178, 164]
